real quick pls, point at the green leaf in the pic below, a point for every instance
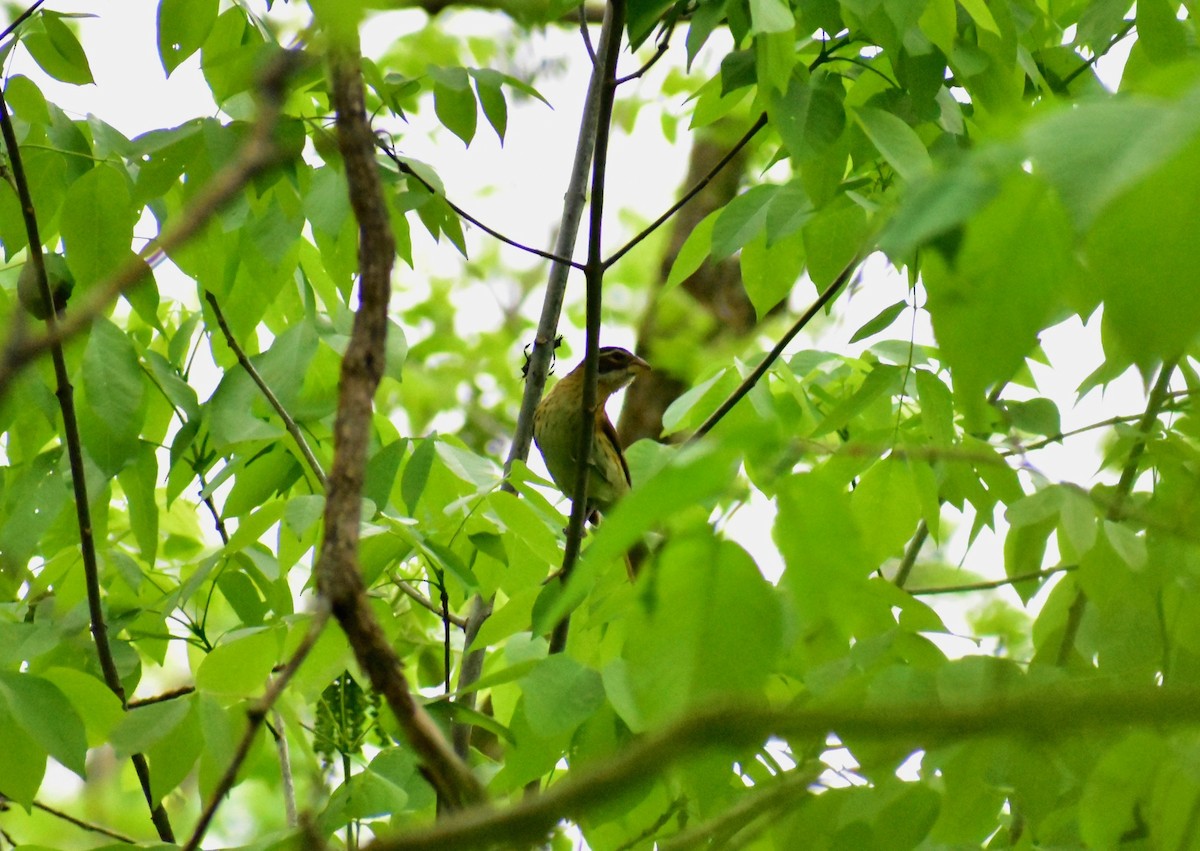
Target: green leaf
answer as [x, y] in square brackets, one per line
[896, 141]
[98, 707]
[113, 390]
[771, 16]
[560, 694]
[97, 224]
[416, 473]
[809, 116]
[183, 25]
[1007, 281]
[1037, 416]
[641, 18]
[22, 760]
[58, 51]
[139, 481]
[240, 665]
[173, 757]
[142, 727]
[454, 102]
[693, 252]
[741, 220]
[1135, 252]
[980, 13]
[44, 713]
[491, 98]
[768, 274]
[881, 321]
[718, 639]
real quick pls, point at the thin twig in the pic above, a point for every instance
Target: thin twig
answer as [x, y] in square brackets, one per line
[911, 552]
[660, 50]
[425, 602]
[691, 193]
[66, 402]
[85, 825]
[405, 168]
[173, 694]
[287, 780]
[771, 356]
[1116, 39]
[1154, 405]
[594, 275]
[992, 584]
[760, 799]
[288, 422]
[587, 36]
[339, 579]
[256, 716]
[258, 153]
[1036, 713]
[20, 19]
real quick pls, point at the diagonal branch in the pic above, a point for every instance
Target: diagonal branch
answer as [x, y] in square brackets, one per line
[691, 193]
[406, 169]
[1159, 394]
[339, 580]
[759, 371]
[288, 422]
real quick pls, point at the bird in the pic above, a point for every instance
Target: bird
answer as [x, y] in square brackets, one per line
[556, 423]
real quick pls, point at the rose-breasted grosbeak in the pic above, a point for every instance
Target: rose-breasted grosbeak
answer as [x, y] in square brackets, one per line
[556, 430]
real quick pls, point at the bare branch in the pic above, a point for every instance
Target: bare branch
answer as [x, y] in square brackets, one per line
[339, 580]
[691, 193]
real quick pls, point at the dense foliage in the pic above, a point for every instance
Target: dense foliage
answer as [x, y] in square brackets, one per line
[869, 678]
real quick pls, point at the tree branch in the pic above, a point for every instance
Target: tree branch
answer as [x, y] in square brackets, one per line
[1154, 405]
[338, 578]
[66, 403]
[405, 168]
[759, 371]
[539, 361]
[691, 193]
[288, 422]
[726, 728]
[606, 70]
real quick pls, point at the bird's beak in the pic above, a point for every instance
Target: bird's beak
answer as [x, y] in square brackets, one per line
[639, 365]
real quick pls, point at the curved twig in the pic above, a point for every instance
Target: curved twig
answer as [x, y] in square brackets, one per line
[406, 169]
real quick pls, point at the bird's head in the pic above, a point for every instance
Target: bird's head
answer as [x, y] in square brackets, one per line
[617, 369]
